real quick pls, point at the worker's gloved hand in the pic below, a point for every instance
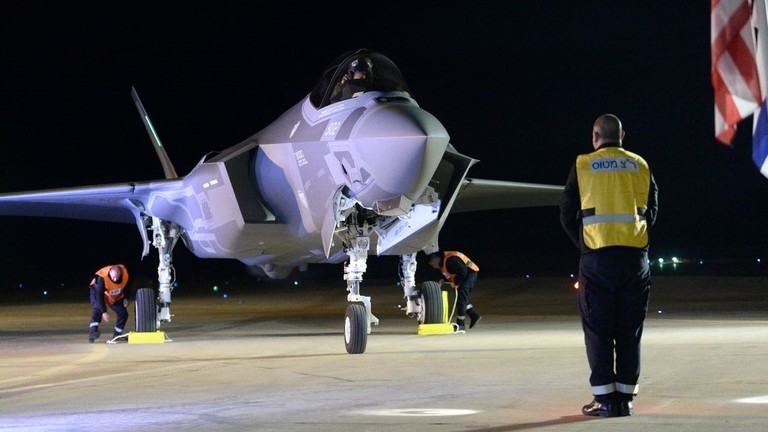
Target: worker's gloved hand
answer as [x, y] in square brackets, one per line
[105, 317]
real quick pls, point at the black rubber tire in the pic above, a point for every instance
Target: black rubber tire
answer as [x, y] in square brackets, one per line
[355, 328]
[432, 296]
[146, 310]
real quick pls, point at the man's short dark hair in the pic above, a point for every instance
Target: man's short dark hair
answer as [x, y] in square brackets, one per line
[438, 254]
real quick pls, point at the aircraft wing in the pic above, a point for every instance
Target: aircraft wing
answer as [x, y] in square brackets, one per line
[108, 203]
[479, 194]
[119, 202]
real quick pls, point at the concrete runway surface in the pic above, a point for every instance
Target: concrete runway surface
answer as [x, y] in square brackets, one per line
[274, 360]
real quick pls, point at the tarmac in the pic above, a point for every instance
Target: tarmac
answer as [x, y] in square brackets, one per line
[272, 358]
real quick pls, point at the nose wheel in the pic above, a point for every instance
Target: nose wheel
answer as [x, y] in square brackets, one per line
[356, 328]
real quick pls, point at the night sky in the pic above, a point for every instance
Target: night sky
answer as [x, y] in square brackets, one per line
[517, 84]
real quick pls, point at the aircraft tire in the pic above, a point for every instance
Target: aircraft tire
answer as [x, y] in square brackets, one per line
[146, 310]
[432, 298]
[355, 328]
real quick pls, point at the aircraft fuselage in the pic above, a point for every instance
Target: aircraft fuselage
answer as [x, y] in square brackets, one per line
[379, 149]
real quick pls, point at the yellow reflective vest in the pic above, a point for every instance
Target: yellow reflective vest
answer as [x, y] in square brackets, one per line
[613, 187]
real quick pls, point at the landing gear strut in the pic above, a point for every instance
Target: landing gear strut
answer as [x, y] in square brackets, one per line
[151, 312]
[358, 317]
[165, 236]
[424, 304]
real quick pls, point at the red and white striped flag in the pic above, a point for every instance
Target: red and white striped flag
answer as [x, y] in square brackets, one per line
[734, 70]
[740, 71]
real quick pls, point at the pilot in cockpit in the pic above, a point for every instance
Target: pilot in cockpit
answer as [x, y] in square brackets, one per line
[355, 81]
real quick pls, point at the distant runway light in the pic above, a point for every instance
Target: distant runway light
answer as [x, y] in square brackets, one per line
[659, 312]
[758, 260]
[295, 283]
[572, 275]
[527, 276]
[225, 296]
[215, 288]
[45, 293]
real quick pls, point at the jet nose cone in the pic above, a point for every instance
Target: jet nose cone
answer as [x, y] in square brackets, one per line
[401, 146]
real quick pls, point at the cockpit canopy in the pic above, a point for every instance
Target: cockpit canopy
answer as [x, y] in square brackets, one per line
[356, 72]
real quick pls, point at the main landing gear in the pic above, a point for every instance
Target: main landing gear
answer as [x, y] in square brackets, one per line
[151, 310]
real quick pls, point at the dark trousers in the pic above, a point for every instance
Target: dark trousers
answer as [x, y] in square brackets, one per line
[463, 292]
[614, 289]
[120, 311]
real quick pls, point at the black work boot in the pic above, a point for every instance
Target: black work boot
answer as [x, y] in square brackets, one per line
[460, 323]
[624, 408]
[474, 317]
[599, 409]
[95, 333]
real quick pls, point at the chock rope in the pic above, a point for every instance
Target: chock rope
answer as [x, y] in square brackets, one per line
[455, 300]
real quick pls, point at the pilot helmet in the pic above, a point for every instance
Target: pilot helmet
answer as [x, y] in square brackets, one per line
[363, 65]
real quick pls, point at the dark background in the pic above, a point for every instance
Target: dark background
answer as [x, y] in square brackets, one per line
[517, 84]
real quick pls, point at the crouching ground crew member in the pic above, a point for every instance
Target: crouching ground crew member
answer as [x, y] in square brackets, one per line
[461, 273]
[108, 288]
[608, 205]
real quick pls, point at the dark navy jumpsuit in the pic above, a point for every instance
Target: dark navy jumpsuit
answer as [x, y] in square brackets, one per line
[614, 288]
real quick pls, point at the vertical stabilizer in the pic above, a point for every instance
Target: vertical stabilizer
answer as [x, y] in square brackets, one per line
[168, 169]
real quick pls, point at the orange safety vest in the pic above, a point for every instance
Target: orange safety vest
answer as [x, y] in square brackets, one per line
[467, 261]
[113, 292]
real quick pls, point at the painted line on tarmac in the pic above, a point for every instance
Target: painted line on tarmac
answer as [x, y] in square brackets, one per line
[419, 412]
[97, 353]
[753, 400]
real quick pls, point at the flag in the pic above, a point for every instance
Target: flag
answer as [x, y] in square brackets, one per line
[760, 118]
[739, 54]
[734, 71]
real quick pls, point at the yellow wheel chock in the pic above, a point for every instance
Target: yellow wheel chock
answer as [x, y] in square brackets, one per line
[444, 327]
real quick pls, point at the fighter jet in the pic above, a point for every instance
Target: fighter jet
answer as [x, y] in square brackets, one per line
[355, 169]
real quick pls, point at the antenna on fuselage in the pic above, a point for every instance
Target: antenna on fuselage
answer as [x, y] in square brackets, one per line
[168, 169]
